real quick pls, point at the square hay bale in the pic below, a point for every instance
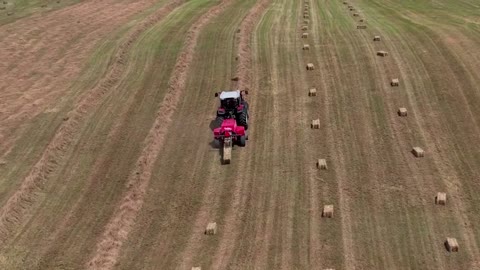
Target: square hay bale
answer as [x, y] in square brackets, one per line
[451, 244]
[312, 92]
[402, 112]
[315, 124]
[322, 164]
[306, 21]
[361, 27]
[376, 38]
[395, 82]
[310, 66]
[2, 8]
[356, 14]
[306, 47]
[382, 53]
[350, 6]
[327, 211]
[441, 198]
[418, 152]
[304, 27]
[10, 13]
[304, 35]
[211, 228]
[361, 20]
[305, 16]
[352, 9]
[345, 2]
[196, 268]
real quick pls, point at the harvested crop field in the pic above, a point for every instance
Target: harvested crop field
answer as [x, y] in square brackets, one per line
[107, 156]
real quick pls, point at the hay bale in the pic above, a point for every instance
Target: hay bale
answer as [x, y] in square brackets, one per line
[361, 20]
[310, 66]
[304, 28]
[211, 228]
[227, 151]
[376, 38]
[10, 13]
[395, 82]
[322, 164]
[327, 211]
[356, 14]
[352, 9]
[306, 21]
[2, 8]
[345, 2]
[382, 53]
[235, 79]
[441, 198]
[418, 152]
[451, 244]
[315, 124]
[196, 268]
[312, 92]
[305, 35]
[306, 16]
[306, 47]
[350, 6]
[402, 112]
[361, 27]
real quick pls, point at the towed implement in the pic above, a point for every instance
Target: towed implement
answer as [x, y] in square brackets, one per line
[231, 122]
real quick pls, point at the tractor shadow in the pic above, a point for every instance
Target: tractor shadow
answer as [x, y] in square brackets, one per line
[214, 124]
[214, 144]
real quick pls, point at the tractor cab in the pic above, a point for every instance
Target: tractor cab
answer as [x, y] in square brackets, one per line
[230, 100]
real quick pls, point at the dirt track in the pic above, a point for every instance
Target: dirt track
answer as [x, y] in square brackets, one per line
[131, 178]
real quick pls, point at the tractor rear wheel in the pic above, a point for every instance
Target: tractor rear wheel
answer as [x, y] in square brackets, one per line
[243, 119]
[242, 141]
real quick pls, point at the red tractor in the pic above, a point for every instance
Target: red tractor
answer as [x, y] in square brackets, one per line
[231, 122]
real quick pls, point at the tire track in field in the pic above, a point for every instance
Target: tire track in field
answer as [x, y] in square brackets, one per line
[123, 219]
[244, 72]
[13, 213]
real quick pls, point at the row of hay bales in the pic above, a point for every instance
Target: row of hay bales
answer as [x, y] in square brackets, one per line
[451, 244]
[327, 211]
